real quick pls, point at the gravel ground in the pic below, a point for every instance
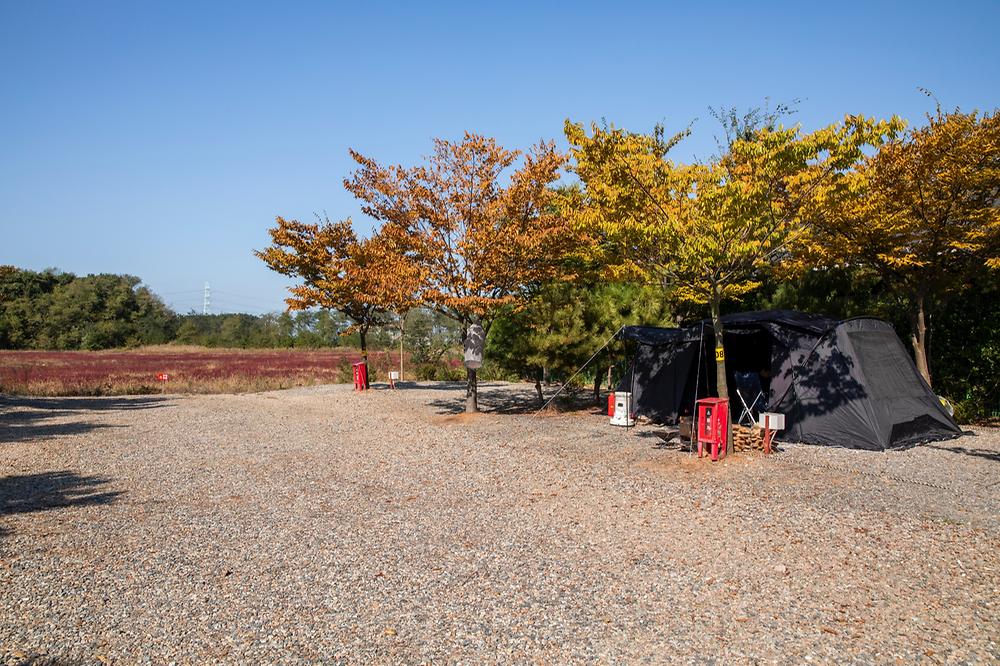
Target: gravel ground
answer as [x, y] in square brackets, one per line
[323, 525]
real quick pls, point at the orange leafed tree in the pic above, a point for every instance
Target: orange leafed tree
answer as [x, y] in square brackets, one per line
[481, 221]
[366, 279]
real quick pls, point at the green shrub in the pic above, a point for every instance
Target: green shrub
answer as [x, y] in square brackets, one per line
[345, 373]
[438, 372]
[977, 408]
[495, 372]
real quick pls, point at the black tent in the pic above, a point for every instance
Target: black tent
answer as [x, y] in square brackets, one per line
[844, 383]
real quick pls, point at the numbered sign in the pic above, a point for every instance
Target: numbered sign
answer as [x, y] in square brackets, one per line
[720, 354]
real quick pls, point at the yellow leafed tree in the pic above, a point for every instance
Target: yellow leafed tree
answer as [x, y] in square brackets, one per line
[707, 231]
[922, 212]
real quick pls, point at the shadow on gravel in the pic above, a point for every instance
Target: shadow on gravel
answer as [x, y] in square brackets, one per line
[432, 386]
[985, 454]
[503, 399]
[28, 493]
[32, 419]
[668, 439]
[110, 403]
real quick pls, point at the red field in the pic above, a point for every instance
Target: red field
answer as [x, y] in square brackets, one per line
[189, 370]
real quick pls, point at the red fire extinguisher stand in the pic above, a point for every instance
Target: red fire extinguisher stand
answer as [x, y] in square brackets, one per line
[360, 376]
[713, 425]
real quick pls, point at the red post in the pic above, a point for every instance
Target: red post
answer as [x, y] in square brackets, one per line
[611, 404]
[767, 434]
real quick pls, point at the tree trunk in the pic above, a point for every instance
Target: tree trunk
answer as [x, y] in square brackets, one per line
[538, 388]
[471, 386]
[722, 387]
[401, 331]
[471, 392]
[919, 337]
[597, 386]
[363, 335]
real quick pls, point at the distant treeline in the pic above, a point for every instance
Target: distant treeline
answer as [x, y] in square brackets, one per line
[51, 309]
[55, 310]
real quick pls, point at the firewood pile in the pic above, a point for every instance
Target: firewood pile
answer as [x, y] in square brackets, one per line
[747, 438]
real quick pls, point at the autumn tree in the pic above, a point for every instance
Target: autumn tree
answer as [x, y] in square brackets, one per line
[365, 279]
[708, 231]
[922, 212]
[477, 218]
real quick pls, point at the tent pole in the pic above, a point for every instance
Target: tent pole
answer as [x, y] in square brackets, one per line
[631, 388]
[697, 384]
[589, 360]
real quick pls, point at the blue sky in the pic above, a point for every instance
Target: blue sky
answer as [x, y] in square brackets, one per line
[161, 139]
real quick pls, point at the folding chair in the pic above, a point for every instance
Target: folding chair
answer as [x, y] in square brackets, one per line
[750, 393]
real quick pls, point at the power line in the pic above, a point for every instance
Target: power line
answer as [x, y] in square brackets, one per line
[244, 301]
[239, 309]
[174, 293]
[241, 297]
[219, 305]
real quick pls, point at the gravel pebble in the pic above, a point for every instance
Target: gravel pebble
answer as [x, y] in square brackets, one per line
[323, 525]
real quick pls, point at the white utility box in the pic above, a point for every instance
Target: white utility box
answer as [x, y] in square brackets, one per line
[771, 420]
[623, 409]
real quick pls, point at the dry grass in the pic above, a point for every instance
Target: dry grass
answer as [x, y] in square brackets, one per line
[190, 370]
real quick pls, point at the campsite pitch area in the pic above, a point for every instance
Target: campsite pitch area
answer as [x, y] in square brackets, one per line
[318, 524]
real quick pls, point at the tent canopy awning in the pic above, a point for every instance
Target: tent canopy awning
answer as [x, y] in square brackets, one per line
[654, 336]
[812, 324]
[809, 323]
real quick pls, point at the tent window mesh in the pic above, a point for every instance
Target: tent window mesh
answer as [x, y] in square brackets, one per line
[887, 369]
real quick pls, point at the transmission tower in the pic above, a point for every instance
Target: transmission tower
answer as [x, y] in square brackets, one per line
[207, 300]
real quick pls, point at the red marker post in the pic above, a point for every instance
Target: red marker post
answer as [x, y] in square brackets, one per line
[163, 377]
